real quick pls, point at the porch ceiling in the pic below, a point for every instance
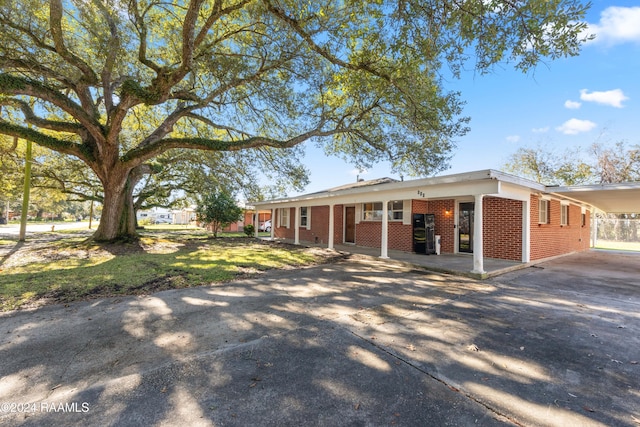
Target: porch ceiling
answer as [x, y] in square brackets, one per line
[609, 198]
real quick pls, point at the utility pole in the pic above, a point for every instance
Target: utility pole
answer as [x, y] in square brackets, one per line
[25, 195]
[91, 212]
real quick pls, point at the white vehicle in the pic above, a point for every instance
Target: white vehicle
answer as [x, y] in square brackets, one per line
[265, 226]
[163, 219]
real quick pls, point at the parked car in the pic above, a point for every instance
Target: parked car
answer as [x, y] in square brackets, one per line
[265, 226]
[162, 219]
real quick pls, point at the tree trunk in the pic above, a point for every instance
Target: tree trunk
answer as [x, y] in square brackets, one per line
[118, 220]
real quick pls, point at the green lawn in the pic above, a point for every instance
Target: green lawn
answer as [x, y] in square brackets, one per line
[621, 246]
[71, 269]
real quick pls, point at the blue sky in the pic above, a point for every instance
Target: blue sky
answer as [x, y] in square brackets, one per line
[566, 103]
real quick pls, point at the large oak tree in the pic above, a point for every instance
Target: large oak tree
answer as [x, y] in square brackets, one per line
[115, 83]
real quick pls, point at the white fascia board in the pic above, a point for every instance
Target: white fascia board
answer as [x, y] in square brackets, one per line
[513, 191]
[486, 182]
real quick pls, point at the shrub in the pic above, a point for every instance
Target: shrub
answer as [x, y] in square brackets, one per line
[249, 230]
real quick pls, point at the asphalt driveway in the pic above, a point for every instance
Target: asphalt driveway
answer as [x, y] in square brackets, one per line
[361, 342]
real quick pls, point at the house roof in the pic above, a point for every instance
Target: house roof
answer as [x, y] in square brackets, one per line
[359, 184]
[611, 198]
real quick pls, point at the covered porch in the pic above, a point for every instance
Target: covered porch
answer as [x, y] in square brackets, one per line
[458, 264]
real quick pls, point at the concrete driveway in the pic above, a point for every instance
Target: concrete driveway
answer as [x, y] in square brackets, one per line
[361, 342]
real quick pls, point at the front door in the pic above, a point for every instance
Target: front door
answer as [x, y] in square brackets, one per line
[465, 227]
[350, 224]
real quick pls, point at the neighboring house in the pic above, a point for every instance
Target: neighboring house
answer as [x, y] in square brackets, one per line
[484, 213]
[184, 216]
[248, 217]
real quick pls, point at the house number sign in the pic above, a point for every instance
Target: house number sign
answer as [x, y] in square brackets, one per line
[421, 194]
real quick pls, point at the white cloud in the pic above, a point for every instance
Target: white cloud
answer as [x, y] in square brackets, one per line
[576, 126]
[572, 105]
[540, 130]
[617, 25]
[613, 97]
[513, 138]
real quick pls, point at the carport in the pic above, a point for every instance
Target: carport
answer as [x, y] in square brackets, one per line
[619, 198]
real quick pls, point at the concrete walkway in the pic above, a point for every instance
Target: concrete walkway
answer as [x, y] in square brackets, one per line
[458, 264]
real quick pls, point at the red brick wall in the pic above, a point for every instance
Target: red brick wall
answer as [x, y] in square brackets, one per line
[283, 232]
[369, 233]
[553, 239]
[338, 228]
[319, 231]
[502, 231]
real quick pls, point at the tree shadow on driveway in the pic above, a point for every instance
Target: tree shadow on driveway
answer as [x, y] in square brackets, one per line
[340, 344]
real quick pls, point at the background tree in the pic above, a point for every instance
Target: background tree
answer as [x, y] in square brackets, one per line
[602, 164]
[218, 210]
[605, 164]
[116, 83]
[545, 166]
[617, 163]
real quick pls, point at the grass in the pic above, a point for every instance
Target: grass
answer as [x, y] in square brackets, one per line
[71, 269]
[620, 246]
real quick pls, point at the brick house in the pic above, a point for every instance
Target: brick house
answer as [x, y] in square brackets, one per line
[484, 213]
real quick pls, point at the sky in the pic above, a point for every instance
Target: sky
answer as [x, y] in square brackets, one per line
[567, 103]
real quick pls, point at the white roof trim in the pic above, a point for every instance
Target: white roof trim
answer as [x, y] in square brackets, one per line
[476, 176]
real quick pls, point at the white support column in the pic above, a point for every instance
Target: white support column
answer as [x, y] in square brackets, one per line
[384, 241]
[256, 223]
[273, 224]
[478, 254]
[331, 227]
[296, 225]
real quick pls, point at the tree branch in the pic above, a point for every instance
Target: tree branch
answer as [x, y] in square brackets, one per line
[60, 145]
[143, 153]
[55, 18]
[13, 85]
[31, 118]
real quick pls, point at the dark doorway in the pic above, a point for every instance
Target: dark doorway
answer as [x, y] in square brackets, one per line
[423, 233]
[465, 227]
[350, 224]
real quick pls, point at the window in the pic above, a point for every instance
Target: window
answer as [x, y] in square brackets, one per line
[564, 214]
[373, 211]
[284, 217]
[304, 217]
[395, 210]
[543, 211]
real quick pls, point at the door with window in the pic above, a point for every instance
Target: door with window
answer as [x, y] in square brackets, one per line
[465, 227]
[350, 224]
